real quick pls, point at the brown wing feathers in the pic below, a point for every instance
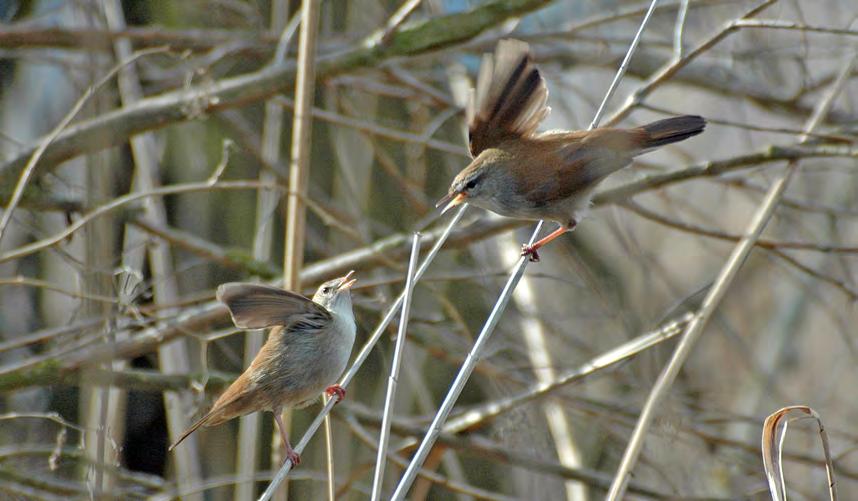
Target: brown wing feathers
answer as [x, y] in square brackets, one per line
[583, 159]
[510, 97]
[255, 306]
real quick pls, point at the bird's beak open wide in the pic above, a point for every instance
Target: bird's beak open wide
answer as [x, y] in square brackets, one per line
[345, 283]
[451, 200]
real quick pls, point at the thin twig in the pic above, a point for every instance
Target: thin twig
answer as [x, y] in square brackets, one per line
[623, 67]
[792, 131]
[714, 296]
[286, 33]
[26, 35]
[625, 351]
[672, 67]
[779, 24]
[679, 28]
[50, 334]
[793, 202]
[230, 257]
[119, 202]
[720, 235]
[393, 379]
[850, 292]
[718, 167]
[45, 285]
[381, 131]
[599, 20]
[772, 246]
[398, 17]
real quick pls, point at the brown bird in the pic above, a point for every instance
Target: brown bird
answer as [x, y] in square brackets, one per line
[307, 350]
[518, 172]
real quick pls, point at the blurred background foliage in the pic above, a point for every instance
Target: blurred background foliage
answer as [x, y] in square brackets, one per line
[86, 333]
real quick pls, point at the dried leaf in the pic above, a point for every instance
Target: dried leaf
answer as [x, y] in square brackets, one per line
[774, 432]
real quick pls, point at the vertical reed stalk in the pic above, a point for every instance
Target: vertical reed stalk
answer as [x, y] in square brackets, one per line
[99, 403]
[299, 166]
[247, 453]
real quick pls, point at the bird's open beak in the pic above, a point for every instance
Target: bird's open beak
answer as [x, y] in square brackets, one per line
[451, 200]
[345, 283]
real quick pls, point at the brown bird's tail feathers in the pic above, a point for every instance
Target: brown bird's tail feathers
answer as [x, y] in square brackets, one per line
[671, 130]
[201, 422]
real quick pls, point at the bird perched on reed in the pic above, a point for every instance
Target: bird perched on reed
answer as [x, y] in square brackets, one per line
[521, 173]
[307, 350]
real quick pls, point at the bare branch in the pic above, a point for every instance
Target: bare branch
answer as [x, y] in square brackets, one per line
[191, 103]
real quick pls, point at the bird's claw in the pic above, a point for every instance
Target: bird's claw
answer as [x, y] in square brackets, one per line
[337, 390]
[530, 252]
[292, 457]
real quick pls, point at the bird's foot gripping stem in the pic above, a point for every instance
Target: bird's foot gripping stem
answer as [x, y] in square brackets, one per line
[531, 252]
[337, 390]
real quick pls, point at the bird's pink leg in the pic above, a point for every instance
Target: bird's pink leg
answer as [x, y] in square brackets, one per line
[337, 390]
[531, 250]
[288, 452]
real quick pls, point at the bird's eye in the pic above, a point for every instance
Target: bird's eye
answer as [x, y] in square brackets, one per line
[470, 185]
[326, 290]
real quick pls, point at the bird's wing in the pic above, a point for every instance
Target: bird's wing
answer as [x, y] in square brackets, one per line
[579, 160]
[509, 100]
[574, 162]
[254, 306]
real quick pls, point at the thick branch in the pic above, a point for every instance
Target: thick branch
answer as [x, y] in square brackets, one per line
[117, 126]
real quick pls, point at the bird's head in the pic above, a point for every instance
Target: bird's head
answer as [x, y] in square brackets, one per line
[479, 181]
[335, 295]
